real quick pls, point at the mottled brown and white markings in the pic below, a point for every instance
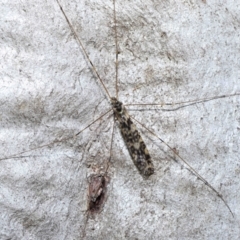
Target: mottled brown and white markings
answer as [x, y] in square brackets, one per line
[133, 140]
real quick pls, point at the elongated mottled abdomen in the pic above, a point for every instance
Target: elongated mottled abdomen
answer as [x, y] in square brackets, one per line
[133, 140]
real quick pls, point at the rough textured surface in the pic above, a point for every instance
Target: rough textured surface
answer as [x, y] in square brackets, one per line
[170, 51]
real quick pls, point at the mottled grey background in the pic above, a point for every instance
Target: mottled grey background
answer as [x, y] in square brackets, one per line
[170, 51]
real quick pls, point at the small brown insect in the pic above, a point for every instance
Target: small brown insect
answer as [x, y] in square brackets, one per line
[97, 192]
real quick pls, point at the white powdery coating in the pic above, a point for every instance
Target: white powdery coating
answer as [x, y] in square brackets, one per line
[171, 51]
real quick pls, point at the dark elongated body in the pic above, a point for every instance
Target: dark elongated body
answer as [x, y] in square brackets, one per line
[133, 140]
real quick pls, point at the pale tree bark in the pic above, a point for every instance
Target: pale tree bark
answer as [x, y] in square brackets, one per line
[169, 52]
